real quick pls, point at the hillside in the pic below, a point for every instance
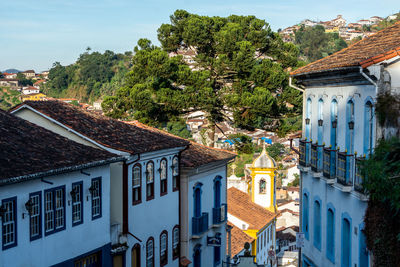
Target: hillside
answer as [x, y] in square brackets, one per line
[8, 98]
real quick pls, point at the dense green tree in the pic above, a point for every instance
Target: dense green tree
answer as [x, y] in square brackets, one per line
[239, 69]
[314, 43]
[1, 75]
[243, 143]
[22, 80]
[276, 150]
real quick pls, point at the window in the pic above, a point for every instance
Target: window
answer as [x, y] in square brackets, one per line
[346, 241]
[137, 184]
[320, 121]
[217, 192]
[308, 119]
[305, 215]
[330, 233]
[317, 224]
[368, 128]
[175, 242]
[150, 180]
[263, 186]
[54, 211]
[197, 200]
[175, 173]
[77, 203]
[9, 223]
[95, 191]
[150, 252]
[163, 177]
[163, 248]
[35, 218]
[350, 127]
[334, 122]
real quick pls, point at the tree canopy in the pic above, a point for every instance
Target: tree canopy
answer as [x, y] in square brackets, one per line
[238, 72]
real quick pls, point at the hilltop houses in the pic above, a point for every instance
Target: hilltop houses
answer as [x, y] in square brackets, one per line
[340, 130]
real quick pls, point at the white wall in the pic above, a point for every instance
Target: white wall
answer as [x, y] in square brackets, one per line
[263, 200]
[265, 239]
[68, 243]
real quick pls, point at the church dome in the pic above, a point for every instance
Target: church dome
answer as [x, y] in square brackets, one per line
[264, 160]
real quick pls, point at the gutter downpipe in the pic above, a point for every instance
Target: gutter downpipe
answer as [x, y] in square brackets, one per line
[369, 79]
[293, 86]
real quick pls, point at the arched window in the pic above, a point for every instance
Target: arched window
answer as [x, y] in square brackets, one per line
[197, 256]
[163, 177]
[350, 127]
[334, 122]
[330, 233]
[164, 248]
[175, 242]
[305, 214]
[308, 119]
[150, 252]
[317, 224]
[217, 252]
[217, 192]
[150, 180]
[263, 186]
[346, 241]
[175, 173]
[368, 128]
[137, 184]
[320, 121]
[197, 200]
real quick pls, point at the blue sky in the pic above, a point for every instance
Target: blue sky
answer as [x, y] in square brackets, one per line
[35, 34]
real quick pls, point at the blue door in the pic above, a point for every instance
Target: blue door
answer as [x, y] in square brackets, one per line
[197, 258]
[346, 241]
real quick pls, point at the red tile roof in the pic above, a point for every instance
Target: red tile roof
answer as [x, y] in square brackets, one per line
[382, 45]
[106, 131]
[238, 239]
[241, 206]
[28, 150]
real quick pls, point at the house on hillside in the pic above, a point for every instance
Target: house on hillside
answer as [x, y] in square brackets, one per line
[30, 90]
[53, 193]
[9, 82]
[340, 130]
[33, 97]
[29, 74]
[10, 75]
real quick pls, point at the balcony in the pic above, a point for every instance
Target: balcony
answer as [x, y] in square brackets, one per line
[219, 215]
[329, 170]
[358, 179]
[199, 225]
[305, 148]
[345, 170]
[316, 159]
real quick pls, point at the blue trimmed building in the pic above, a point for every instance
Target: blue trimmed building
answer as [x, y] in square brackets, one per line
[340, 130]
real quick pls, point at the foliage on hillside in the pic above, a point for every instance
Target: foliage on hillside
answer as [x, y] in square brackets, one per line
[8, 98]
[93, 75]
[240, 64]
[314, 43]
[382, 183]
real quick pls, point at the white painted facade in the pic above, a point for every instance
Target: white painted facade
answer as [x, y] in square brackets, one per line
[287, 219]
[265, 240]
[191, 178]
[71, 243]
[262, 196]
[30, 90]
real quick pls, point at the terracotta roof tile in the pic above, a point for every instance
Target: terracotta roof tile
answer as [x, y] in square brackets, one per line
[28, 149]
[106, 131]
[382, 45]
[241, 206]
[238, 239]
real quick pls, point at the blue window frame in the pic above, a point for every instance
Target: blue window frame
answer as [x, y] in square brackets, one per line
[317, 222]
[217, 192]
[197, 256]
[95, 191]
[346, 241]
[363, 254]
[197, 200]
[349, 131]
[150, 252]
[35, 215]
[334, 122]
[305, 221]
[308, 116]
[320, 118]
[9, 223]
[368, 127]
[330, 233]
[217, 256]
[77, 203]
[54, 210]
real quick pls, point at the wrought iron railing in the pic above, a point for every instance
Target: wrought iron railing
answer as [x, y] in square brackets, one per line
[220, 214]
[200, 224]
[329, 163]
[358, 178]
[345, 169]
[316, 157]
[305, 148]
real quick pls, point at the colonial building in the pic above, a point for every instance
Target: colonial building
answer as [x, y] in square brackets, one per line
[54, 198]
[339, 131]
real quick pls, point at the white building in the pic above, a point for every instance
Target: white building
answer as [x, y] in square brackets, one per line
[54, 198]
[30, 90]
[203, 204]
[339, 128]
